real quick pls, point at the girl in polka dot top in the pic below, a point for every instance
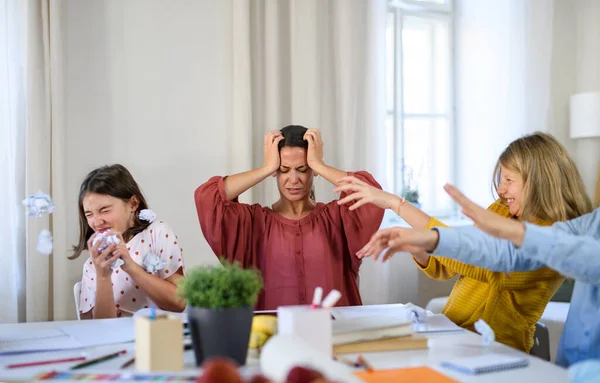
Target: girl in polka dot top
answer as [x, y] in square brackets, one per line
[151, 260]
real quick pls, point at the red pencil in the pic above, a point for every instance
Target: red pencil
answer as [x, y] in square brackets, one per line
[41, 363]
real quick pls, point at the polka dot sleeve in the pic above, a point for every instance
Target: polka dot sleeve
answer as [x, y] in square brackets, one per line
[168, 249]
[87, 297]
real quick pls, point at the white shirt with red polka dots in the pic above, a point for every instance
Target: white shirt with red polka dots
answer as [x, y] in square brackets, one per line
[158, 238]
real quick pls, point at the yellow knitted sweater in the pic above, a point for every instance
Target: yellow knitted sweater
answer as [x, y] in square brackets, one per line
[511, 303]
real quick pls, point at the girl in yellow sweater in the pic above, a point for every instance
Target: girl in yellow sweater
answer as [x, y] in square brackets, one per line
[536, 181]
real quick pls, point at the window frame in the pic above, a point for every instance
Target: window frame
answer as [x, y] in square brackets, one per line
[399, 9]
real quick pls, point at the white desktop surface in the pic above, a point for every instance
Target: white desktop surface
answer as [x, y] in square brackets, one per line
[442, 347]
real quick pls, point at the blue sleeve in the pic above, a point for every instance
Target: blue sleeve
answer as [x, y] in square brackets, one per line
[567, 247]
[471, 245]
[574, 256]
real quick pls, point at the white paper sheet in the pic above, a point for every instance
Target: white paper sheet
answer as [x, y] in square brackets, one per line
[36, 340]
[76, 335]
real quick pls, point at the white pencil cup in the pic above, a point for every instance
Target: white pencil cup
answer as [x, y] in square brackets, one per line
[311, 324]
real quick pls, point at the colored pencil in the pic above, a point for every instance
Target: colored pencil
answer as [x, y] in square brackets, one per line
[347, 361]
[43, 362]
[98, 360]
[128, 363]
[363, 361]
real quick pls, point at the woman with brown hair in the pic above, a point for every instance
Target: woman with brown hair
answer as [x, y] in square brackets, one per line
[135, 261]
[297, 243]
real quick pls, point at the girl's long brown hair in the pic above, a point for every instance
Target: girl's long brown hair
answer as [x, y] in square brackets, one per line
[115, 181]
[552, 186]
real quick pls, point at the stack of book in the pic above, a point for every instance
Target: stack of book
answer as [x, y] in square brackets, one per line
[374, 334]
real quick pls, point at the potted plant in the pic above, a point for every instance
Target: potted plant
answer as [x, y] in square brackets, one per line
[410, 192]
[220, 302]
[411, 195]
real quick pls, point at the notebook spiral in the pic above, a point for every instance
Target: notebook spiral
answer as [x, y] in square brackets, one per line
[502, 367]
[487, 363]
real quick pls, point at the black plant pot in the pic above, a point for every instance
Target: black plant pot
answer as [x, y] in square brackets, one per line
[220, 332]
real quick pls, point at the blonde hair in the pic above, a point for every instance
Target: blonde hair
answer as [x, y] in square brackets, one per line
[552, 186]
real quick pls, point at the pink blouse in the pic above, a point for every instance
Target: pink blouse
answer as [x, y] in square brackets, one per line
[294, 256]
[159, 239]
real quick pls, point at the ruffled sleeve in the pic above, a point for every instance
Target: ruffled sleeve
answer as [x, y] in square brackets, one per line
[227, 226]
[360, 224]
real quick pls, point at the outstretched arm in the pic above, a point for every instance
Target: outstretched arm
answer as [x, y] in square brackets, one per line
[363, 193]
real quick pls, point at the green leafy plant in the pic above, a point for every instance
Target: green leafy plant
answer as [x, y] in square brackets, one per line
[221, 287]
[411, 195]
[410, 192]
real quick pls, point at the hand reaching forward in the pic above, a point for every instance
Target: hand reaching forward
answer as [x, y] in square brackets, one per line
[488, 221]
[399, 239]
[363, 193]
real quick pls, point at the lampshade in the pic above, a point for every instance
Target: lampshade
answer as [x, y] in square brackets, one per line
[585, 115]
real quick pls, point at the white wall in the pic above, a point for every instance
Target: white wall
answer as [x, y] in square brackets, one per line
[587, 79]
[486, 54]
[148, 86]
[518, 63]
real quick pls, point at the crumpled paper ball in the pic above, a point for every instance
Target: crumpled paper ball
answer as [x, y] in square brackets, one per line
[38, 204]
[45, 243]
[152, 263]
[147, 215]
[487, 334]
[107, 240]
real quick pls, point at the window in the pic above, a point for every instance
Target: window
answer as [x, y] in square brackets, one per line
[419, 96]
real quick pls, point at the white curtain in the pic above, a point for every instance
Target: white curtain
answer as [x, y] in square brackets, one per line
[314, 63]
[12, 163]
[30, 62]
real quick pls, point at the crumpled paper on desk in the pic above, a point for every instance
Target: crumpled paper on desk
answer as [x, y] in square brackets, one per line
[152, 263]
[416, 313]
[107, 240]
[38, 204]
[45, 243]
[487, 334]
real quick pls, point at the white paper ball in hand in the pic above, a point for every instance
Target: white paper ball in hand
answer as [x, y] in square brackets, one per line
[107, 240]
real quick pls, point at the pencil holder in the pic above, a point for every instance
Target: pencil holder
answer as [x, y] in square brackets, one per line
[158, 343]
[311, 324]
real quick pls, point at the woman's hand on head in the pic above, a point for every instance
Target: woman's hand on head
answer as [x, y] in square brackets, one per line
[314, 156]
[100, 261]
[362, 193]
[271, 150]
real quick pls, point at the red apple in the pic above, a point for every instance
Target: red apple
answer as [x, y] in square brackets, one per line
[219, 370]
[259, 379]
[300, 374]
